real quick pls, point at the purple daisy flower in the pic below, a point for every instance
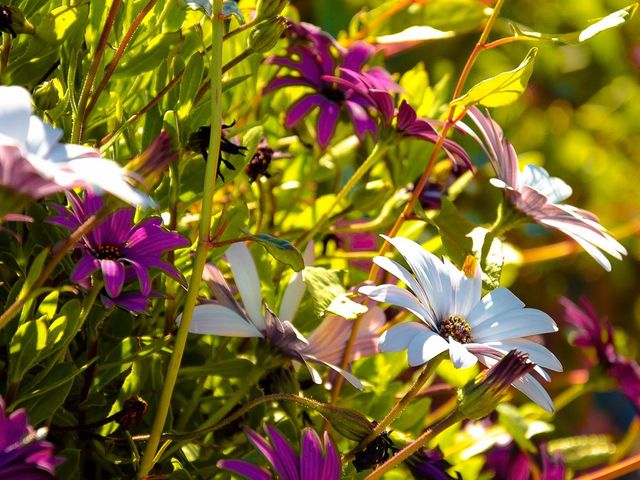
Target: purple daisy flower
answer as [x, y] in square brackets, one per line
[538, 195]
[429, 465]
[318, 459]
[598, 333]
[23, 453]
[510, 463]
[317, 59]
[117, 246]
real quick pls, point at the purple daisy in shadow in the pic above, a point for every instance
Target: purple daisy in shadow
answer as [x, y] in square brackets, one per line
[24, 455]
[316, 58]
[121, 250]
[318, 458]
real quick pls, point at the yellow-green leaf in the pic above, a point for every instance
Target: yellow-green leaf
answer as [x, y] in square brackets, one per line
[501, 90]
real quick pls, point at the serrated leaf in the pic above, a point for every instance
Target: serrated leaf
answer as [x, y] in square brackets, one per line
[282, 250]
[343, 306]
[612, 20]
[503, 89]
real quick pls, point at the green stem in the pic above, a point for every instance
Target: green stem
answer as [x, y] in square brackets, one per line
[376, 153]
[425, 375]
[410, 449]
[4, 57]
[217, 24]
[79, 118]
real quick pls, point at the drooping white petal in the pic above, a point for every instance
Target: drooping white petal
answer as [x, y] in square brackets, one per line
[460, 356]
[398, 296]
[425, 345]
[535, 391]
[492, 304]
[538, 354]
[430, 272]
[41, 137]
[247, 281]
[348, 376]
[295, 289]
[513, 324]
[15, 110]
[399, 336]
[212, 319]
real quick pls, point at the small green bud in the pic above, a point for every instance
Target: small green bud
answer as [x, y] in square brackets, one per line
[266, 34]
[479, 397]
[12, 21]
[268, 9]
[347, 422]
[45, 96]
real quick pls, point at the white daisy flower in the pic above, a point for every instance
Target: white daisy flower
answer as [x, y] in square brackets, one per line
[454, 317]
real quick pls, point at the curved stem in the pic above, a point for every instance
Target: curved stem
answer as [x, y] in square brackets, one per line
[79, 118]
[413, 447]
[425, 375]
[217, 21]
[118, 55]
[631, 464]
[377, 151]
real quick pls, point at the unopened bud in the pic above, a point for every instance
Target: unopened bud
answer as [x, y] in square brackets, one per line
[268, 9]
[46, 96]
[12, 21]
[347, 422]
[266, 34]
[479, 397]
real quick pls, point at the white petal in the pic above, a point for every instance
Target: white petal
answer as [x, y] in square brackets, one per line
[296, 287]
[493, 303]
[460, 356]
[247, 281]
[398, 296]
[41, 137]
[467, 293]
[514, 324]
[554, 188]
[211, 319]
[397, 270]
[535, 391]
[430, 272]
[399, 336]
[15, 110]
[538, 354]
[425, 346]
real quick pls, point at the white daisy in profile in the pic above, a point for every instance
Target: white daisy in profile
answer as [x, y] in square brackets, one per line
[454, 317]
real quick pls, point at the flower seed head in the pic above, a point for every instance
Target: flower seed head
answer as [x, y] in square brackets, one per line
[456, 327]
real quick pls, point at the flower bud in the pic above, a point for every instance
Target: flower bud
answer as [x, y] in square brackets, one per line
[12, 21]
[479, 397]
[266, 34]
[348, 423]
[268, 9]
[45, 96]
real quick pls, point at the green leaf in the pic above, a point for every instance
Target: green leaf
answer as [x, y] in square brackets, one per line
[49, 305]
[26, 344]
[234, 368]
[488, 249]
[34, 272]
[150, 57]
[503, 89]
[282, 250]
[584, 451]
[454, 229]
[323, 286]
[190, 83]
[612, 20]
[343, 306]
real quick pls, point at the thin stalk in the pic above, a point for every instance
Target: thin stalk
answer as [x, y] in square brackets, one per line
[631, 464]
[4, 58]
[217, 25]
[425, 375]
[413, 447]
[377, 151]
[118, 55]
[238, 30]
[79, 118]
[408, 209]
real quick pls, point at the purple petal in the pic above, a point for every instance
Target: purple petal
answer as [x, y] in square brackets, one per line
[331, 469]
[357, 54]
[113, 276]
[245, 469]
[269, 452]
[143, 277]
[85, 267]
[287, 455]
[301, 108]
[361, 120]
[286, 81]
[327, 122]
[311, 461]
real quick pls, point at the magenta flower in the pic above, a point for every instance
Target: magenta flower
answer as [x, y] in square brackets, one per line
[318, 459]
[316, 58]
[34, 164]
[598, 333]
[119, 249]
[23, 453]
[538, 195]
[510, 463]
[429, 465]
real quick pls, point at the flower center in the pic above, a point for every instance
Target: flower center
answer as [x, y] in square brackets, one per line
[108, 252]
[333, 94]
[457, 327]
